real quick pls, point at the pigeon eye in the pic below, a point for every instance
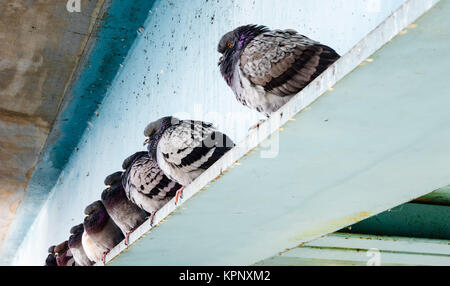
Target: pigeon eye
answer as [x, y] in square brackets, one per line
[229, 44]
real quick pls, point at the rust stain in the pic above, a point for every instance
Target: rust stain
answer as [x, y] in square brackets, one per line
[331, 226]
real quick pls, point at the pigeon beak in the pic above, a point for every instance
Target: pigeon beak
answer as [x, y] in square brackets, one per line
[220, 61]
[147, 141]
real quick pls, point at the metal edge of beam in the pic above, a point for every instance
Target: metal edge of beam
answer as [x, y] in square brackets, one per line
[439, 197]
[383, 33]
[357, 249]
[383, 242]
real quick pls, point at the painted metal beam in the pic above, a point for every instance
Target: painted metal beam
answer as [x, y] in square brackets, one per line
[370, 144]
[358, 249]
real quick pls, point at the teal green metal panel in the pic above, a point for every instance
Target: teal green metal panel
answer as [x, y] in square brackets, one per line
[411, 220]
[438, 197]
[371, 144]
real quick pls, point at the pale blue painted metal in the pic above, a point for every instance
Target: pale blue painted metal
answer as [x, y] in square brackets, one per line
[372, 143]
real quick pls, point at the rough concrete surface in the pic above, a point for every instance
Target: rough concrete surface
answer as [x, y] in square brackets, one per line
[40, 46]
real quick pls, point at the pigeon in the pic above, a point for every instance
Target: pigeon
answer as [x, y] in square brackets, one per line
[265, 68]
[145, 183]
[76, 246]
[64, 255]
[123, 212]
[51, 258]
[184, 149]
[101, 228]
[93, 251]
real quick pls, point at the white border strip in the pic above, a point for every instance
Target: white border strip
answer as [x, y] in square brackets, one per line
[400, 19]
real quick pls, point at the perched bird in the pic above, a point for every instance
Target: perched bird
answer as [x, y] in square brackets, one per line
[145, 183]
[123, 212]
[76, 246]
[64, 255]
[265, 68]
[93, 251]
[51, 258]
[101, 228]
[184, 149]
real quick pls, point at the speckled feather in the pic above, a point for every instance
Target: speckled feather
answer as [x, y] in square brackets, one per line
[187, 148]
[145, 183]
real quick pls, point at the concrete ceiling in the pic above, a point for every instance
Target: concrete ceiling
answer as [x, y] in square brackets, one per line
[41, 44]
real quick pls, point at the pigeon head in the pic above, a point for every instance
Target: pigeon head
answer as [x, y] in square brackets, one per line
[155, 130]
[114, 191]
[113, 179]
[51, 249]
[77, 229]
[96, 217]
[113, 194]
[129, 160]
[61, 248]
[63, 254]
[231, 46]
[75, 238]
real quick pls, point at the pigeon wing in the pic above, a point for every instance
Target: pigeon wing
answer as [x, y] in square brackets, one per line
[284, 62]
[146, 185]
[191, 145]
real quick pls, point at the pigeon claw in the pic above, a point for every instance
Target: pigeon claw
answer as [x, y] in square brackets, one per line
[151, 218]
[104, 256]
[127, 238]
[179, 195]
[256, 126]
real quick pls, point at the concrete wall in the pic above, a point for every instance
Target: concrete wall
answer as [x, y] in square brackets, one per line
[171, 69]
[40, 46]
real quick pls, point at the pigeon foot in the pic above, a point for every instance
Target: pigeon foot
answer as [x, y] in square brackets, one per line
[151, 218]
[179, 194]
[104, 256]
[261, 121]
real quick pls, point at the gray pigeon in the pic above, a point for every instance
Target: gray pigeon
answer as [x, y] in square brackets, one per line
[265, 68]
[93, 251]
[64, 255]
[51, 258]
[101, 228]
[145, 183]
[76, 246]
[184, 149]
[123, 212]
